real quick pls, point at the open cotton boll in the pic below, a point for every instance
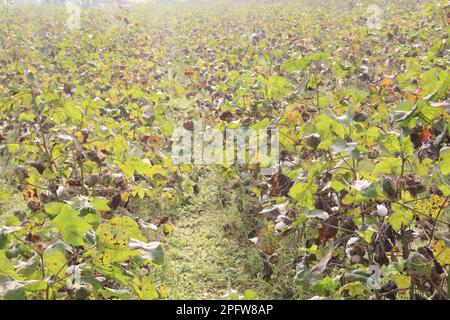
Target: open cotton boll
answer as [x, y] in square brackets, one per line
[352, 241]
[382, 210]
[348, 252]
[280, 225]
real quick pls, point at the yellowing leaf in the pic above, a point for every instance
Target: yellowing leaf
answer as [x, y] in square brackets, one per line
[441, 253]
[401, 217]
[117, 232]
[402, 281]
[168, 229]
[444, 160]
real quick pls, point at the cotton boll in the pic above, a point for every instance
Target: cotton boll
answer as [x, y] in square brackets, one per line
[348, 252]
[352, 241]
[351, 249]
[280, 225]
[382, 210]
[335, 209]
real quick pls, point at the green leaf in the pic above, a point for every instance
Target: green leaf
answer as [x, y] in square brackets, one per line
[388, 165]
[250, 295]
[7, 266]
[301, 64]
[278, 87]
[166, 128]
[354, 289]
[295, 64]
[337, 184]
[100, 204]
[304, 194]
[71, 226]
[55, 263]
[74, 112]
[109, 293]
[391, 143]
[325, 286]
[5, 194]
[444, 160]
[26, 117]
[12, 147]
[12, 221]
[115, 272]
[55, 208]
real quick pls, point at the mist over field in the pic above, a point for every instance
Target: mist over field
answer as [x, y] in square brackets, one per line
[233, 150]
